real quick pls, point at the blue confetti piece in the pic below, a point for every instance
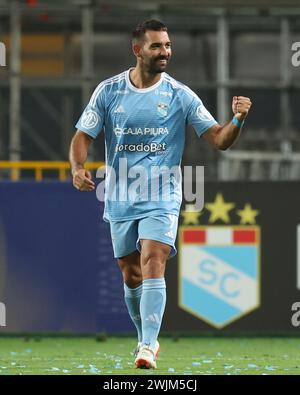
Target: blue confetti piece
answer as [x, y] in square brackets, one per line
[270, 368]
[66, 371]
[13, 353]
[196, 363]
[171, 370]
[252, 366]
[93, 369]
[55, 369]
[207, 361]
[228, 366]
[80, 366]
[29, 350]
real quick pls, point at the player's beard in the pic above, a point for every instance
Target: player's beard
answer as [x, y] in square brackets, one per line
[155, 67]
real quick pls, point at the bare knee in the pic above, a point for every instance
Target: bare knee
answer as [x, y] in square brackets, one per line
[152, 258]
[132, 280]
[131, 270]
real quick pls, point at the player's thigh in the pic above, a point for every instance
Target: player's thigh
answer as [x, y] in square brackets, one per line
[162, 229]
[124, 235]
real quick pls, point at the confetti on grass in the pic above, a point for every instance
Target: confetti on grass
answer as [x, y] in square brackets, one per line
[270, 368]
[269, 356]
[93, 369]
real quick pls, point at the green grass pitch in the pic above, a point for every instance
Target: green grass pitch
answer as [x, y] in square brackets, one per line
[206, 356]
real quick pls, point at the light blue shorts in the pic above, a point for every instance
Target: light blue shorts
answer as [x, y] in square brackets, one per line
[126, 235]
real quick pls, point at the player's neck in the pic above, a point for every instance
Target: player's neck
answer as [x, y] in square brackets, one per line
[141, 79]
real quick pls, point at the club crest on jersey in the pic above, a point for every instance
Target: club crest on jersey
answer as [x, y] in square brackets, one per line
[90, 119]
[162, 109]
[219, 265]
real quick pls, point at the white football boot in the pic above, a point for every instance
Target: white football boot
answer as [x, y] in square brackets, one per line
[146, 357]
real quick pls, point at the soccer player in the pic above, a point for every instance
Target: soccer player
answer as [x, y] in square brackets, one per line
[144, 113]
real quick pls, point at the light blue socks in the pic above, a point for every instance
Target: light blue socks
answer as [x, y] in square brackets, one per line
[152, 307]
[132, 300]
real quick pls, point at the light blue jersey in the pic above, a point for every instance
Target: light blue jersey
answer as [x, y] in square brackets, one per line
[144, 140]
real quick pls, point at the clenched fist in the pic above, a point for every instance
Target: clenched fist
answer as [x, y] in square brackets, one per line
[82, 180]
[241, 106]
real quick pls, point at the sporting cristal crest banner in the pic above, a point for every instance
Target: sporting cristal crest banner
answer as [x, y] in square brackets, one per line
[219, 265]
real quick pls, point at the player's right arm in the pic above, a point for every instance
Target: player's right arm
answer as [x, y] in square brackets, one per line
[88, 127]
[82, 178]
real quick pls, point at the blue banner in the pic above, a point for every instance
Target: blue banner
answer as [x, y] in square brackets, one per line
[57, 271]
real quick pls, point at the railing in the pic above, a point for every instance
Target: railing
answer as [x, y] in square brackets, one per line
[62, 167]
[256, 165]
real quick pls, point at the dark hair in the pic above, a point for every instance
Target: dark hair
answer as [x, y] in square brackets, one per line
[152, 24]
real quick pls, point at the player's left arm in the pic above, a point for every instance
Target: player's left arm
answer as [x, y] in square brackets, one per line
[222, 137]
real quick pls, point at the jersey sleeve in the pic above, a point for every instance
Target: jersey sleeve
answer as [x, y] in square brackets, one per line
[92, 118]
[198, 116]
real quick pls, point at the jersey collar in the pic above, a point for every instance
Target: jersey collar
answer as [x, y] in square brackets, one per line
[142, 90]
